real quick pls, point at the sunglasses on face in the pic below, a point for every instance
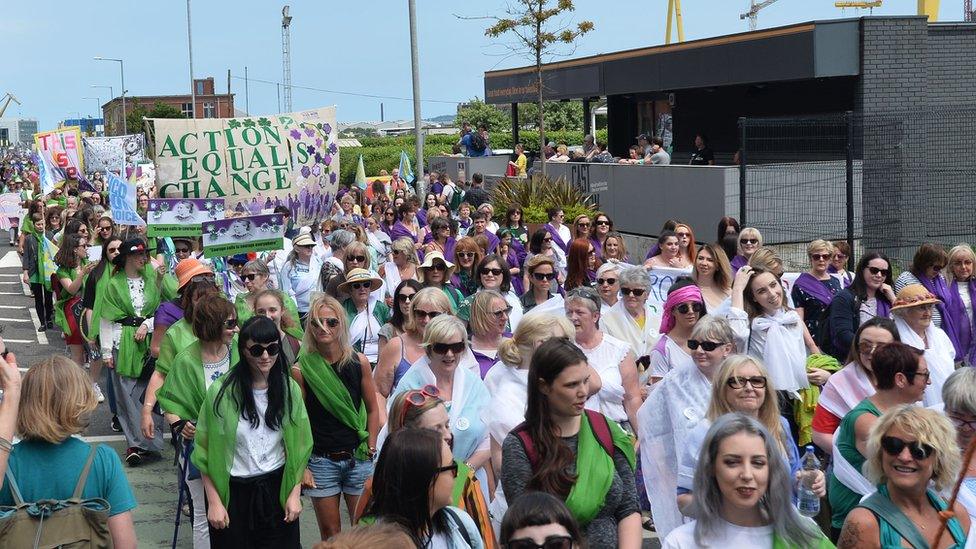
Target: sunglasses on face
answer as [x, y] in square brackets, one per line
[682, 235]
[547, 239]
[181, 250]
[405, 298]
[257, 351]
[321, 323]
[503, 313]
[453, 468]
[465, 255]
[708, 346]
[493, 272]
[360, 285]
[105, 228]
[603, 223]
[637, 292]
[249, 277]
[552, 542]
[438, 267]
[749, 241]
[443, 348]
[606, 281]
[739, 382]
[356, 258]
[419, 313]
[893, 446]
[820, 257]
[876, 271]
[685, 308]
[113, 250]
[544, 276]
[867, 347]
[230, 323]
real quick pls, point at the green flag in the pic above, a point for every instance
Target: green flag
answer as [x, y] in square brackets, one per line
[361, 174]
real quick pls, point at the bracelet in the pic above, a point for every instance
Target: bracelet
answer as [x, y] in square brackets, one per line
[6, 445]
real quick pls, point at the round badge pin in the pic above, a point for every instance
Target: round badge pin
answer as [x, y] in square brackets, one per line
[463, 424]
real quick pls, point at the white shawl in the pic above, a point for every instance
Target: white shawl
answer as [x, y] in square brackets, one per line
[845, 390]
[364, 327]
[619, 324]
[940, 357]
[784, 353]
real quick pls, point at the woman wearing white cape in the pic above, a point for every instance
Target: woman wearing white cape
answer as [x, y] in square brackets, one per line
[678, 402]
[912, 311]
[631, 319]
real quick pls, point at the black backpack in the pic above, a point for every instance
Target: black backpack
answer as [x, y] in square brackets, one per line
[478, 142]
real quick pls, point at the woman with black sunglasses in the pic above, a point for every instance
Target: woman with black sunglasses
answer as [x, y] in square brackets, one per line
[257, 278]
[870, 295]
[542, 285]
[191, 373]
[901, 376]
[538, 520]
[911, 457]
[494, 274]
[340, 397]
[414, 481]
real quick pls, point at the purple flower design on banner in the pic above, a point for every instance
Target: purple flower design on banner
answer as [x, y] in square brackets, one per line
[332, 177]
[316, 170]
[318, 142]
[310, 132]
[306, 171]
[327, 160]
[327, 128]
[332, 148]
[318, 158]
[310, 149]
[295, 134]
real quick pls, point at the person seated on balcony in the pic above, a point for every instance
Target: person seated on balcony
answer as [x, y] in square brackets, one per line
[602, 155]
[562, 154]
[634, 158]
[658, 154]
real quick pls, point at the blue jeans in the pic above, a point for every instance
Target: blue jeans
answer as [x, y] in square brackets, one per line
[337, 477]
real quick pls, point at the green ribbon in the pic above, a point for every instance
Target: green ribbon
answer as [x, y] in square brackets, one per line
[595, 469]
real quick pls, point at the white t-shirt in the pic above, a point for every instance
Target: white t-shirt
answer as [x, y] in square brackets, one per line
[258, 451]
[725, 535]
[213, 370]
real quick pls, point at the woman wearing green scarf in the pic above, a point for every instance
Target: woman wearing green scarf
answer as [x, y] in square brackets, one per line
[192, 372]
[128, 305]
[73, 269]
[272, 304]
[256, 276]
[571, 453]
[340, 396]
[252, 444]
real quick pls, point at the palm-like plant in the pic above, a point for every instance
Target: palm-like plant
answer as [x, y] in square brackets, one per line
[538, 193]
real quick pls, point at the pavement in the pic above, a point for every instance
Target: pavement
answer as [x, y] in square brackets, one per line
[154, 483]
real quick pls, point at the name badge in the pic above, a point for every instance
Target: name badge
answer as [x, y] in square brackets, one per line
[463, 424]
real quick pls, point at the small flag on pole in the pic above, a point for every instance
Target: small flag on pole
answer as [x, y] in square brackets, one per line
[361, 174]
[406, 172]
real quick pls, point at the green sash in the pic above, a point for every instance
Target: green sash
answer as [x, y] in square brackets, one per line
[60, 318]
[118, 305]
[101, 288]
[216, 439]
[244, 313]
[460, 481]
[594, 469]
[321, 377]
[185, 388]
[178, 337]
[821, 543]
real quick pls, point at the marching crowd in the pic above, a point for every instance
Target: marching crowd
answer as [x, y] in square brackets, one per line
[454, 380]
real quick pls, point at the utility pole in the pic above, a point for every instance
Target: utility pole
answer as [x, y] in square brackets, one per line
[286, 54]
[418, 168]
[189, 44]
[247, 98]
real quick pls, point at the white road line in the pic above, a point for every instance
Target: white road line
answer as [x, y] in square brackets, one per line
[12, 307]
[15, 320]
[12, 282]
[6, 340]
[41, 336]
[16, 293]
[10, 276]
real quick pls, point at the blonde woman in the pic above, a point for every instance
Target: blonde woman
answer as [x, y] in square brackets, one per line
[962, 295]
[814, 290]
[750, 240]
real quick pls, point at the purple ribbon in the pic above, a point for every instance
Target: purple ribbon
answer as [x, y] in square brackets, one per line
[816, 288]
[938, 287]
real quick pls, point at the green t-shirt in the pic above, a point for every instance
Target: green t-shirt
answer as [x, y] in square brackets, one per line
[842, 498]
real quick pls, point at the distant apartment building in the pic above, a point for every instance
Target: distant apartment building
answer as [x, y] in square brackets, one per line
[17, 130]
[209, 104]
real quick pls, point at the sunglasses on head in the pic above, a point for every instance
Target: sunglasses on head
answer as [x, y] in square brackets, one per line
[738, 382]
[637, 292]
[443, 348]
[544, 276]
[876, 271]
[420, 313]
[257, 351]
[749, 241]
[607, 281]
[893, 446]
[552, 542]
[708, 346]
[685, 308]
[357, 258]
[322, 323]
[417, 398]
[493, 272]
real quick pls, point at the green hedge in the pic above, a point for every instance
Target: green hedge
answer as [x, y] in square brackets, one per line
[383, 153]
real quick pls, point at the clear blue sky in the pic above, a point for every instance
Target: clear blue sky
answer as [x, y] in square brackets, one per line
[364, 47]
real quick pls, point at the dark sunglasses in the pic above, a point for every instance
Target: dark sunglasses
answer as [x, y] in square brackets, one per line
[330, 322]
[397, 252]
[465, 254]
[547, 239]
[420, 313]
[504, 312]
[544, 276]
[453, 468]
[257, 351]
[438, 267]
[876, 271]
[105, 228]
[230, 323]
[893, 446]
[443, 348]
[636, 291]
[357, 258]
[358, 285]
[820, 257]
[738, 382]
[113, 250]
[494, 272]
[684, 308]
[607, 281]
[708, 346]
[405, 298]
[552, 542]
[250, 276]
[179, 250]
[582, 224]
[749, 241]
[603, 223]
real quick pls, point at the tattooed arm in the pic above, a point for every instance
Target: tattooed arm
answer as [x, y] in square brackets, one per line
[860, 531]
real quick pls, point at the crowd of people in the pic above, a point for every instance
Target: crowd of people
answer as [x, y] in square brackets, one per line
[454, 379]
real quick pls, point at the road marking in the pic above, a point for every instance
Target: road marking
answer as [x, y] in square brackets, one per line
[9, 276]
[10, 259]
[12, 307]
[41, 336]
[15, 293]
[6, 340]
[15, 320]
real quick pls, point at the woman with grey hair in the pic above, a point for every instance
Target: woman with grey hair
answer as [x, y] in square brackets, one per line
[742, 492]
[630, 319]
[959, 397]
[608, 284]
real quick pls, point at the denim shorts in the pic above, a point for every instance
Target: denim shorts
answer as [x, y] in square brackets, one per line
[337, 477]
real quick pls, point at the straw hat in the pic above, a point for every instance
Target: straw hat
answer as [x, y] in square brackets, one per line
[189, 268]
[913, 295]
[429, 262]
[304, 238]
[361, 275]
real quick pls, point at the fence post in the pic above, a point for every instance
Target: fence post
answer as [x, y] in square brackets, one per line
[849, 119]
[742, 171]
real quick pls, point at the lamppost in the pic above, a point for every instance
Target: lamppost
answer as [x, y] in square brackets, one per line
[125, 127]
[189, 45]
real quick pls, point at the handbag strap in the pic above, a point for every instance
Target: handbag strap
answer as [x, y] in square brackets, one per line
[83, 478]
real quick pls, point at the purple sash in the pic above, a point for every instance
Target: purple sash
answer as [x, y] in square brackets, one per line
[400, 230]
[938, 287]
[960, 322]
[816, 288]
[655, 250]
[556, 239]
[492, 240]
[597, 247]
[738, 262]
[422, 217]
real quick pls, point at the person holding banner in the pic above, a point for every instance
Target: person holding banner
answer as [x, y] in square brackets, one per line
[73, 269]
[671, 256]
[713, 276]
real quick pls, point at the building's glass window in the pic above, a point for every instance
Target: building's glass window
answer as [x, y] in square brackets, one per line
[199, 85]
[209, 111]
[187, 109]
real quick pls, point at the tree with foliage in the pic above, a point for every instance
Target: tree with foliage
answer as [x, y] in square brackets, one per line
[160, 110]
[532, 22]
[477, 112]
[559, 115]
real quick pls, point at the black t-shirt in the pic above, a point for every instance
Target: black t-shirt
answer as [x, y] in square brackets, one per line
[328, 433]
[702, 157]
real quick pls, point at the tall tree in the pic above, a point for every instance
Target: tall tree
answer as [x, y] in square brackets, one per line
[537, 35]
[478, 112]
[559, 115]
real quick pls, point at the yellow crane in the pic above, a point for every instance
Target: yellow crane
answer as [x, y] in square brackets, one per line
[674, 13]
[6, 102]
[928, 8]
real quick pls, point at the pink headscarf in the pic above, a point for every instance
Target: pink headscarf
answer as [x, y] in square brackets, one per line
[682, 295]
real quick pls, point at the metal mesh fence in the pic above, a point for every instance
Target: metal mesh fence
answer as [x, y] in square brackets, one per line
[905, 178]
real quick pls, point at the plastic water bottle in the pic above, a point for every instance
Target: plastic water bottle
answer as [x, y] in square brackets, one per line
[809, 502]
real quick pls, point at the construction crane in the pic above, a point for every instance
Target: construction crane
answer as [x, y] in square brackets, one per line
[928, 8]
[286, 55]
[6, 102]
[753, 13]
[674, 13]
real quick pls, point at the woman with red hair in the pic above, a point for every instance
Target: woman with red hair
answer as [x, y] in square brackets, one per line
[581, 264]
[686, 242]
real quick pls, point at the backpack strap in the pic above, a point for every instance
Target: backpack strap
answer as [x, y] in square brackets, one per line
[83, 478]
[522, 432]
[885, 510]
[601, 428]
[14, 489]
[460, 525]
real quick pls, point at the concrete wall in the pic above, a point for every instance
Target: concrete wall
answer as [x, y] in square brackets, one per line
[460, 168]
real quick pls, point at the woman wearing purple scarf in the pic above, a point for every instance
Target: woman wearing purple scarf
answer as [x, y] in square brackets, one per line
[962, 295]
[814, 290]
[750, 240]
[869, 296]
[561, 235]
[926, 269]
[406, 226]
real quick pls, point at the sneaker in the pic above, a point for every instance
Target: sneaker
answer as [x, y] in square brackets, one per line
[50, 324]
[116, 426]
[98, 392]
[133, 457]
[43, 328]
